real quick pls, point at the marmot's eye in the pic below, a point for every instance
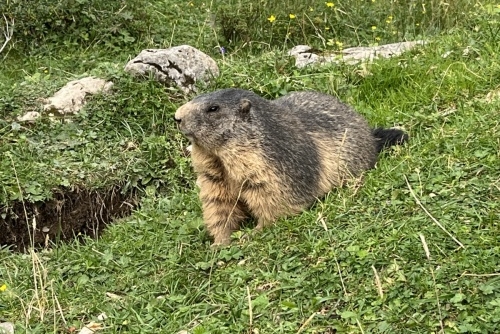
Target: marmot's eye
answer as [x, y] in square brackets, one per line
[213, 108]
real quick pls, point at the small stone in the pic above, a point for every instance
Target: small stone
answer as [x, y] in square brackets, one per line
[492, 96]
[45, 229]
[446, 54]
[91, 328]
[30, 116]
[298, 49]
[113, 295]
[71, 98]
[304, 59]
[86, 330]
[6, 328]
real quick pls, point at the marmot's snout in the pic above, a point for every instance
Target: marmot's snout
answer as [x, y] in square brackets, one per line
[183, 110]
[180, 117]
[184, 117]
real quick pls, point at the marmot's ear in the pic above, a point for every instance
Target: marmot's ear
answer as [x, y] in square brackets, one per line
[245, 106]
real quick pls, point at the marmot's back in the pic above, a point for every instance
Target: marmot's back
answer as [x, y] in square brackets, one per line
[343, 139]
[267, 159]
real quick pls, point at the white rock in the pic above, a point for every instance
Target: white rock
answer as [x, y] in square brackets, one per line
[6, 328]
[351, 55]
[182, 65]
[30, 116]
[86, 330]
[493, 96]
[113, 295]
[298, 49]
[304, 59]
[91, 328]
[446, 54]
[385, 51]
[71, 98]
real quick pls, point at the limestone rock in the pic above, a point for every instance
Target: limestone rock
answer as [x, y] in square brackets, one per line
[29, 117]
[304, 59]
[298, 49]
[182, 65]
[358, 54]
[304, 56]
[71, 98]
[6, 328]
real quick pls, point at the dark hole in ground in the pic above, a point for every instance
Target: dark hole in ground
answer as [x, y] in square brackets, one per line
[69, 214]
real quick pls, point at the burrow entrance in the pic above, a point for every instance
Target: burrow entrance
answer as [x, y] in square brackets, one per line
[70, 214]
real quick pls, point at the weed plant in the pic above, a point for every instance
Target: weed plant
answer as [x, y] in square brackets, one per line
[336, 24]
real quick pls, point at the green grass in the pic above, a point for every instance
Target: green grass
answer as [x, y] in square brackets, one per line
[155, 272]
[82, 150]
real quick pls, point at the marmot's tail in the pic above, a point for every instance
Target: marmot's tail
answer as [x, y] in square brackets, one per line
[389, 137]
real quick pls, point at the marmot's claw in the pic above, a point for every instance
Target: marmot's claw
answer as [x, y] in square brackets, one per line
[220, 243]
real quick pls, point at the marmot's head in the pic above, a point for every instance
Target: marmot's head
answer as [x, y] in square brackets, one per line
[211, 120]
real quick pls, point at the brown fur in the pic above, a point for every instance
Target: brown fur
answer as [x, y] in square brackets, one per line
[268, 159]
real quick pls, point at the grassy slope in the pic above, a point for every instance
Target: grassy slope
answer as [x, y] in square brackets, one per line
[166, 278]
[83, 151]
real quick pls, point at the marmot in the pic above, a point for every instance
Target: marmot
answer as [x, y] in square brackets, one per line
[271, 158]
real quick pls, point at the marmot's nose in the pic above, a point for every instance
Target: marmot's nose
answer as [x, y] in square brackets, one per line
[178, 120]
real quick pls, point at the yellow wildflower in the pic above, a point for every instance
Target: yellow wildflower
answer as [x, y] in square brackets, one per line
[377, 38]
[271, 18]
[311, 9]
[292, 16]
[3, 288]
[339, 44]
[374, 28]
[329, 4]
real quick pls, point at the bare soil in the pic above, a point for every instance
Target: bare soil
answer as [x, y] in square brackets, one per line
[71, 213]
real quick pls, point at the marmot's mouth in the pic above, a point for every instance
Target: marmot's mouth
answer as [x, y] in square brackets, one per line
[185, 132]
[189, 136]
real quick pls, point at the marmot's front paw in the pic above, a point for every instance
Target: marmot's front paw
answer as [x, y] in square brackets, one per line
[221, 242]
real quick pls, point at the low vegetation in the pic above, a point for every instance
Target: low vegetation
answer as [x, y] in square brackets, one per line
[414, 249]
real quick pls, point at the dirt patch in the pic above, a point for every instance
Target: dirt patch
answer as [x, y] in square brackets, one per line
[69, 214]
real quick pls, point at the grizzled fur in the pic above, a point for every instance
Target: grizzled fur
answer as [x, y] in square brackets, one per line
[267, 159]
